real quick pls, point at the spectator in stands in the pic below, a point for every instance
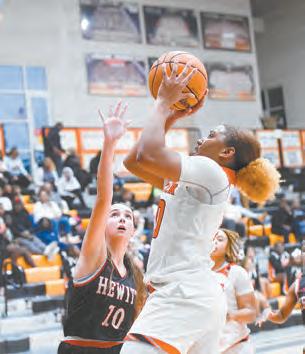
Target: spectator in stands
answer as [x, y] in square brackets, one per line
[94, 163]
[9, 248]
[3, 172]
[5, 201]
[69, 188]
[16, 193]
[16, 171]
[53, 148]
[73, 161]
[46, 173]
[298, 217]
[48, 233]
[22, 228]
[8, 192]
[45, 208]
[279, 265]
[55, 197]
[117, 193]
[282, 220]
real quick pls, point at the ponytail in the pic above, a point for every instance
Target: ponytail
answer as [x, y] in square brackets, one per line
[258, 181]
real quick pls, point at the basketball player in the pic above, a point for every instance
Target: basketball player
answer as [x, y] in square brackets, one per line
[107, 289]
[239, 292]
[186, 310]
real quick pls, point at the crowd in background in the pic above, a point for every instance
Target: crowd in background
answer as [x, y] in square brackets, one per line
[60, 185]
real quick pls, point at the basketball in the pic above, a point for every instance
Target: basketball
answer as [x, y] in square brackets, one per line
[197, 86]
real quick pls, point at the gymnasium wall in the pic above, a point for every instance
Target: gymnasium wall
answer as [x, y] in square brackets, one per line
[281, 54]
[47, 33]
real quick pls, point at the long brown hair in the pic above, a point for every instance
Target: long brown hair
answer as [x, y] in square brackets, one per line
[256, 177]
[140, 286]
[233, 246]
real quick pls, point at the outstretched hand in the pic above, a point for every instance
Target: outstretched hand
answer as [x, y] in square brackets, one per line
[115, 126]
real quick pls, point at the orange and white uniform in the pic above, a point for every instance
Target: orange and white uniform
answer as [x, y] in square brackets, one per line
[235, 336]
[188, 307]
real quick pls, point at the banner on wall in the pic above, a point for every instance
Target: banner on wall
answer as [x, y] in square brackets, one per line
[226, 32]
[91, 139]
[116, 75]
[171, 26]
[110, 21]
[87, 142]
[229, 81]
[68, 138]
[270, 146]
[292, 148]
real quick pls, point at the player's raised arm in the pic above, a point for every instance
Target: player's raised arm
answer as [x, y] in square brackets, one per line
[280, 315]
[94, 249]
[152, 155]
[130, 162]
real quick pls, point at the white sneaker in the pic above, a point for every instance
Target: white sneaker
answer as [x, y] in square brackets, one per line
[51, 249]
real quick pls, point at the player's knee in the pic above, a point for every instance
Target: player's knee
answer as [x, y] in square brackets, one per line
[137, 347]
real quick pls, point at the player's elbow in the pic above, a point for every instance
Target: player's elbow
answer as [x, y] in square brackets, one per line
[129, 163]
[144, 157]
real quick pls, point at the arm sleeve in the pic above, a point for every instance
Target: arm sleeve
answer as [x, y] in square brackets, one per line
[207, 176]
[241, 280]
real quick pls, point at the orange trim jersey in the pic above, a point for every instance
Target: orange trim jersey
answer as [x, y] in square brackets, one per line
[188, 216]
[236, 282]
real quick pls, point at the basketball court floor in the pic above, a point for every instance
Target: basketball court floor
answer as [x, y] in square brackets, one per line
[281, 341]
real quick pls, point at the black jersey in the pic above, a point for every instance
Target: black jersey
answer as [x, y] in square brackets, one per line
[101, 307]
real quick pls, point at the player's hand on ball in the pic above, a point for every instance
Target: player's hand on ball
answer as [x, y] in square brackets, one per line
[171, 88]
[115, 126]
[175, 114]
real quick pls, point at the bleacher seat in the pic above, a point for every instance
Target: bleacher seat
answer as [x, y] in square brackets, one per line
[55, 287]
[141, 191]
[42, 274]
[41, 261]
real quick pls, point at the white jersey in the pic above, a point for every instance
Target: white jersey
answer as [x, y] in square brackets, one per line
[236, 282]
[189, 214]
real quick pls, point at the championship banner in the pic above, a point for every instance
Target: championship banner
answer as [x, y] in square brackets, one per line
[229, 81]
[116, 75]
[171, 26]
[225, 32]
[110, 22]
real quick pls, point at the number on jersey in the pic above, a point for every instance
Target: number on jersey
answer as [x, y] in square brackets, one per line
[114, 317]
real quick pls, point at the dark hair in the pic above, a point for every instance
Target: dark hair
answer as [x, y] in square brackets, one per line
[247, 147]
[256, 177]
